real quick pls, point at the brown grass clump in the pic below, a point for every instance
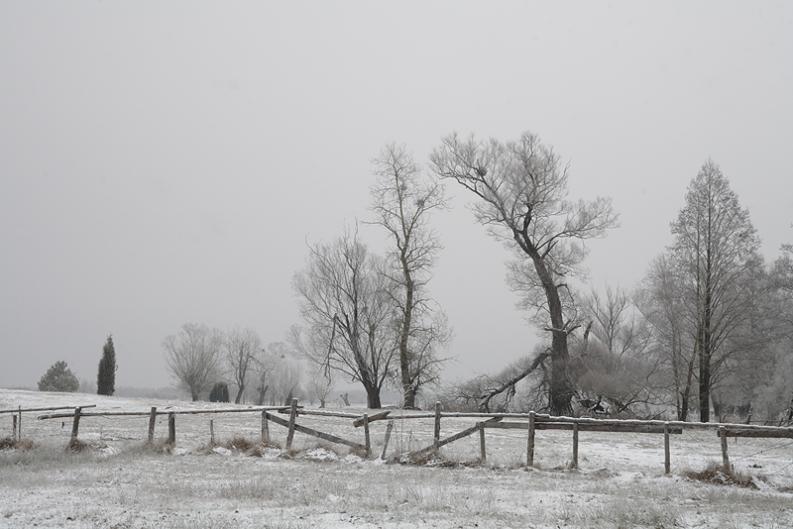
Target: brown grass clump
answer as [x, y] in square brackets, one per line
[8, 443]
[76, 446]
[240, 444]
[157, 447]
[716, 474]
[436, 459]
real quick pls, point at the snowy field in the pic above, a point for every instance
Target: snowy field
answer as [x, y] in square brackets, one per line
[118, 483]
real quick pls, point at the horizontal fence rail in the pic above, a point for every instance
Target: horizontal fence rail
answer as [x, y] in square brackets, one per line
[27, 410]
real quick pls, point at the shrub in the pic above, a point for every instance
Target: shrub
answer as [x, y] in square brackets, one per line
[219, 393]
[59, 378]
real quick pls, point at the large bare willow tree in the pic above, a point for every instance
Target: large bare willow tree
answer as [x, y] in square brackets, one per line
[402, 202]
[521, 188]
[350, 320]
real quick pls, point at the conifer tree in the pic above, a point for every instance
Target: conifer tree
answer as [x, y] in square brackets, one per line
[106, 379]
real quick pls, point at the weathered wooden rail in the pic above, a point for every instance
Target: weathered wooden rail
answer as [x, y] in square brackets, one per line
[530, 421]
[16, 418]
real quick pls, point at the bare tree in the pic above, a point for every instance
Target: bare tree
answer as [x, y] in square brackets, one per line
[263, 367]
[193, 357]
[521, 188]
[614, 360]
[240, 347]
[286, 376]
[671, 316]
[774, 396]
[402, 203]
[319, 386]
[717, 245]
[616, 322]
[346, 305]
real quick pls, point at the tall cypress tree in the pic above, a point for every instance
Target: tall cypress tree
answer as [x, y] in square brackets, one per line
[106, 379]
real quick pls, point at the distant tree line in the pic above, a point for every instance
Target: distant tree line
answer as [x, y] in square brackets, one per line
[214, 365]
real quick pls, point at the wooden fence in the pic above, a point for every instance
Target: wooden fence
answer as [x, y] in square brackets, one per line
[531, 422]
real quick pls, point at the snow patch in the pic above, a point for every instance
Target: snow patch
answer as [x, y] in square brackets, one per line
[321, 454]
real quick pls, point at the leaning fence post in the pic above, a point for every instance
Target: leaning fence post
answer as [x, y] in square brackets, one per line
[212, 432]
[575, 445]
[387, 437]
[367, 439]
[437, 435]
[482, 449]
[292, 414]
[265, 429]
[171, 428]
[76, 424]
[530, 442]
[152, 422]
[725, 458]
[667, 464]
[14, 423]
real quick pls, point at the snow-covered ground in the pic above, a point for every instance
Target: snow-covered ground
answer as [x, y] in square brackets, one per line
[119, 483]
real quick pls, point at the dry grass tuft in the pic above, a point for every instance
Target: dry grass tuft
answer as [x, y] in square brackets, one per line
[156, 447]
[76, 446]
[240, 444]
[8, 443]
[714, 473]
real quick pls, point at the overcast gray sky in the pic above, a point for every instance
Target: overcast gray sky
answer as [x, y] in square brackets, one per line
[166, 162]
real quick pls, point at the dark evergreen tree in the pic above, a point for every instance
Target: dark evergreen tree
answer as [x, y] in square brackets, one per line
[59, 378]
[219, 393]
[106, 379]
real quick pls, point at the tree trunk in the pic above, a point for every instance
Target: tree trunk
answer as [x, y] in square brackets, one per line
[687, 390]
[704, 359]
[704, 389]
[409, 395]
[373, 397]
[683, 413]
[239, 394]
[561, 390]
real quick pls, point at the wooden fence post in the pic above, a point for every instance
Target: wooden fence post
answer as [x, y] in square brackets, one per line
[292, 415]
[152, 422]
[530, 442]
[367, 440]
[212, 432]
[667, 463]
[575, 445]
[482, 449]
[76, 424]
[171, 428]
[387, 437]
[14, 423]
[725, 458]
[265, 429]
[437, 434]
[19, 424]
